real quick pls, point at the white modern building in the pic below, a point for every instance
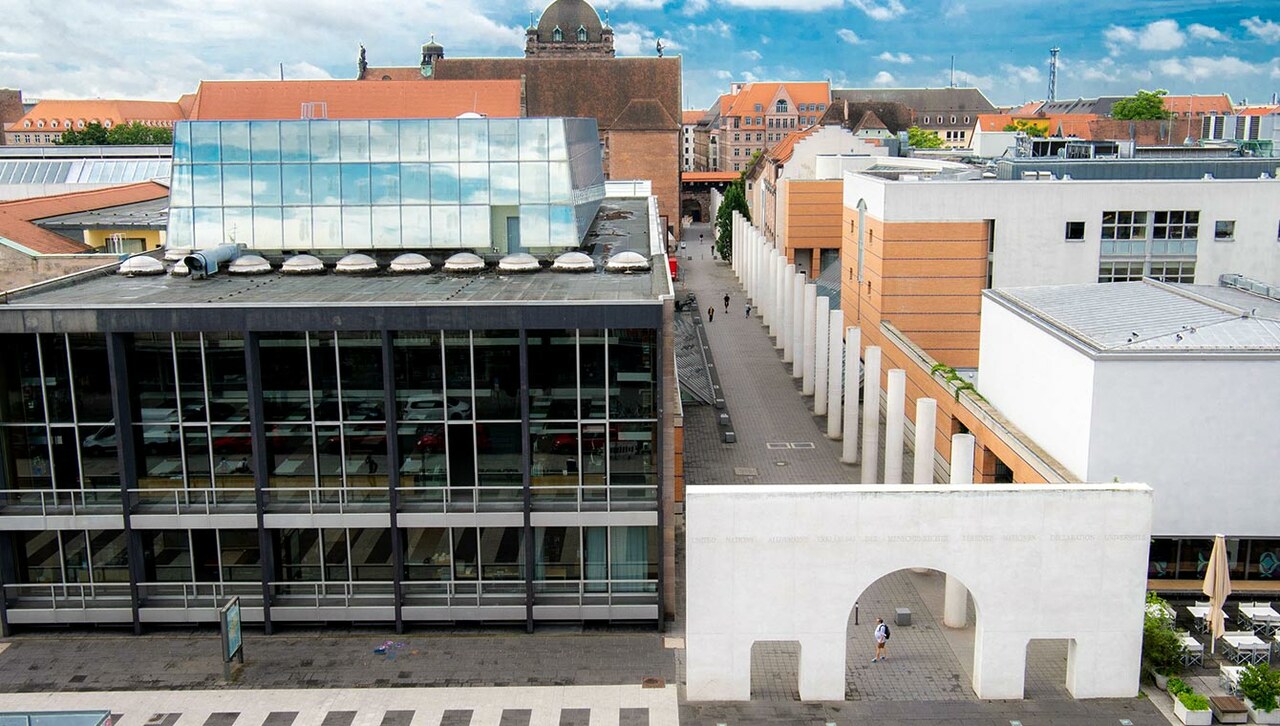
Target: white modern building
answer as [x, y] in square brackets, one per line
[1173, 385]
[1054, 222]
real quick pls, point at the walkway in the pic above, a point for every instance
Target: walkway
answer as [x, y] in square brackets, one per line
[763, 399]
[575, 706]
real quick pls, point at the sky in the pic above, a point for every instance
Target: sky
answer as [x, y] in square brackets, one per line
[160, 49]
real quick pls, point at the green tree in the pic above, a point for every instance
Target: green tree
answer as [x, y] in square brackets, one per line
[95, 134]
[735, 200]
[139, 133]
[1142, 106]
[1030, 128]
[921, 139]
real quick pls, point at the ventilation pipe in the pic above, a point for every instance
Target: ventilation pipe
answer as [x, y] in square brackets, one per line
[204, 263]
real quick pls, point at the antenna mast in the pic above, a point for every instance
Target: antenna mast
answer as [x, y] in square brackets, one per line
[953, 71]
[1053, 74]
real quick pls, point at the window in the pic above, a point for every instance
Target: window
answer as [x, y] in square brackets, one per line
[953, 119]
[582, 34]
[40, 124]
[759, 137]
[737, 137]
[1183, 271]
[1075, 231]
[557, 35]
[759, 108]
[966, 119]
[737, 166]
[1224, 230]
[1120, 271]
[781, 107]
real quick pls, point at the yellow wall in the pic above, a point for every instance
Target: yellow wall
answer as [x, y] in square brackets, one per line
[97, 238]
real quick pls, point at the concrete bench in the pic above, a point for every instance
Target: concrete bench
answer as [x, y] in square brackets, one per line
[902, 616]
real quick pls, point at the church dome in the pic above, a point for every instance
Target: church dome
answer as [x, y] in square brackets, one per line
[568, 16]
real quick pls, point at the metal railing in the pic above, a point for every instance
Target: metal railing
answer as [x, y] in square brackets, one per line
[60, 501]
[192, 501]
[332, 594]
[199, 594]
[68, 596]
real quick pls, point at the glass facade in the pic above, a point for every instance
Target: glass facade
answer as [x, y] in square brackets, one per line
[1186, 559]
[325, 422]
[499, 185]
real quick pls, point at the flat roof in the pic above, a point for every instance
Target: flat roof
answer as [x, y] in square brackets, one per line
[1150, 318]
[151, 214]
[621, 225]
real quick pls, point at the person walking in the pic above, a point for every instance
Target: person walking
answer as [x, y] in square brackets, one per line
[711, 313]
[748, 310]
[726, 303]
[882, 637]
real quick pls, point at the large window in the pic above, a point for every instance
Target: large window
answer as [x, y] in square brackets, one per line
[1160, 245]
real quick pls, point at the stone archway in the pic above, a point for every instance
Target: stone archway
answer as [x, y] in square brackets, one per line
[784, 563]
[694, 209]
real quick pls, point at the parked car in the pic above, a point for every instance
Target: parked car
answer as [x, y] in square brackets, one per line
[432, 407]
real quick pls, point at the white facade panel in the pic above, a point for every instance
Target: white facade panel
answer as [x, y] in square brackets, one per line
[1040, 383]
[1031, 217]
[1202, 433]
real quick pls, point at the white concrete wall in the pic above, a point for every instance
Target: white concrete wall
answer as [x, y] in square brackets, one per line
[786, 563]
[826, 141]
[1041, 384]
[1031, 218]
[1202, 433]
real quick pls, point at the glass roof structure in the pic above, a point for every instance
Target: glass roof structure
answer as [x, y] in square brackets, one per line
[82, 171]
[490, 185]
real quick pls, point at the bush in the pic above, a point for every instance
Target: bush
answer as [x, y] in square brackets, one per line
[1193, 701]
[1176, 686]
[1161, 647]
[1261, 685]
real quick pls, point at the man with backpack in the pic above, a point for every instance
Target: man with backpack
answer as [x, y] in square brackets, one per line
[882, 637]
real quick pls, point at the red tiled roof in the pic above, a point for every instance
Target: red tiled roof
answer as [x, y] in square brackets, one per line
[782, 151]
[1076, 123]
[1199, 105]
[117, 112]
[16, 217]
[241, 100]
[762, 94]
[1259, 111]
[691, 118]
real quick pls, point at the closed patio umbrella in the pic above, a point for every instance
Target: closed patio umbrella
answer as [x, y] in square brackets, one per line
[1217, 586]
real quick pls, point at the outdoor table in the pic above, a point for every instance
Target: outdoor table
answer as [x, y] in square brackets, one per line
[1229, 678]
[1200, 614]
[1247, 648]
[1261, 616]
[1192, 650]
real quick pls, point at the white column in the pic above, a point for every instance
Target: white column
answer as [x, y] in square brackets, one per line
[821, 354]
[809, 340]
[835, 356]
[788, 314]
[755, 271]
[894, 426]
[955, 606]
[852, 372]
[778, 298]
[871, 417]
[739, 238]
[796, 323]
[926, 433]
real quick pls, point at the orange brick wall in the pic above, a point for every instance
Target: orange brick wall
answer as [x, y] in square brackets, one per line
[811, 220]
[652, 155]
[925, 278]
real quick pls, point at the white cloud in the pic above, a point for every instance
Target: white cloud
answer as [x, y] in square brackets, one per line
[1205, 32]
[638, 4]
[901, 58]
[954, 9]
[1200, 68]
[803, 6]
[694, 7]
[1022, 74]
[848, 36]
[753, 54]
[884, 78]
[634, 39]
[87, 49]
[715, 27]
[724, 75]
[1267, 30]
[965, 78]
[880, 9]
[1159, 35]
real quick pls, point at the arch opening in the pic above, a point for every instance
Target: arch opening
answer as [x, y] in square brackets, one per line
[1045, 674]
[775, 670]
[924, 660]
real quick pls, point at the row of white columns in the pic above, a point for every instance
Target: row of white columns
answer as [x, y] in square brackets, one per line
[814, 340]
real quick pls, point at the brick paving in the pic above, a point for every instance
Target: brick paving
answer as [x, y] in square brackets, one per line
[763, 399]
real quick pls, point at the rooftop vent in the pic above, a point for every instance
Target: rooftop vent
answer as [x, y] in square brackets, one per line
[202, 263]
[627, 262]
[174, 254]
[519, 262]
[574, 262]
[410, 263]
[464, 262]
[356, 264]
[302, 265]
[249, 265]
[141, 266]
